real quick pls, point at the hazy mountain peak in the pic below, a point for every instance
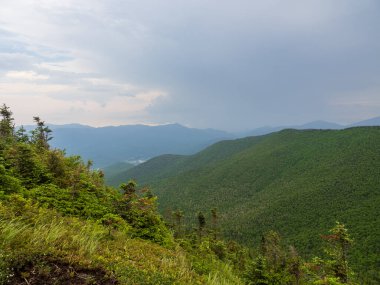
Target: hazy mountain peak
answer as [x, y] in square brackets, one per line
[320, 124]
[370, 122]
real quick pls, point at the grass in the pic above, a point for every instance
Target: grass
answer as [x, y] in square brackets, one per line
[42, 239]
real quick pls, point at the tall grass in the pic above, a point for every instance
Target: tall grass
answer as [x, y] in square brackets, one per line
[223, 276]
[34, 233]
[59, 234]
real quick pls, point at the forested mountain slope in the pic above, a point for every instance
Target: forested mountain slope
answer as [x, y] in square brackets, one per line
[116, 169]
[294, 182]
[171, 165]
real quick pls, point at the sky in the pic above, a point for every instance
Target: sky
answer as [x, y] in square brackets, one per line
[230, 65]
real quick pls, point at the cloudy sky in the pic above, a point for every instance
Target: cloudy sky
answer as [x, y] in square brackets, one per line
[231, 65]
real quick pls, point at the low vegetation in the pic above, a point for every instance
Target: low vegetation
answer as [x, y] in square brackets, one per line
[60, 224]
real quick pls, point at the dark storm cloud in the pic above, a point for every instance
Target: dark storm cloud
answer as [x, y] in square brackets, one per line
[235, 66]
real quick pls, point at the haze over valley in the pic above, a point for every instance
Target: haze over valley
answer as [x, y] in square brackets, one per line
[113, 144]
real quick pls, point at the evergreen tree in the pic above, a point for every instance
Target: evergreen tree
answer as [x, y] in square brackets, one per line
[294, 265]
[90, 163]
[129, 195]
[339, 242]
[214, 222]
[129, 189]
[6, 123]
[257, 274]
[270, 248]
[26, 164]
[21, 135]
[178, 215]
[42, 134]
[201, 224]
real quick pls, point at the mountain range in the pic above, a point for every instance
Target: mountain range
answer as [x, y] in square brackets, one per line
[131, 143]
[137, 143]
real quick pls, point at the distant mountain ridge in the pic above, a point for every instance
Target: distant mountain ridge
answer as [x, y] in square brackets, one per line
[370, 122]
[108, 145]
[317, 125]
[131, 143]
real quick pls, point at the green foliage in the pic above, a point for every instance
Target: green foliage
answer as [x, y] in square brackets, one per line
[41, 134]
[115, 170]
[207, 252]
[338, 245]
[59, 223]
[257, 273]
[26, 164]
[334, 268]
[114, 222]
[295, 182]
[35, 242]
[21, 135]
[145, 222]
[71, 202]
[273, 265]
[6, 123]
[9, 184]
[129, 189]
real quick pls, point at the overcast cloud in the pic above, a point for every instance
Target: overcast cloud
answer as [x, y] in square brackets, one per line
[230, 65]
